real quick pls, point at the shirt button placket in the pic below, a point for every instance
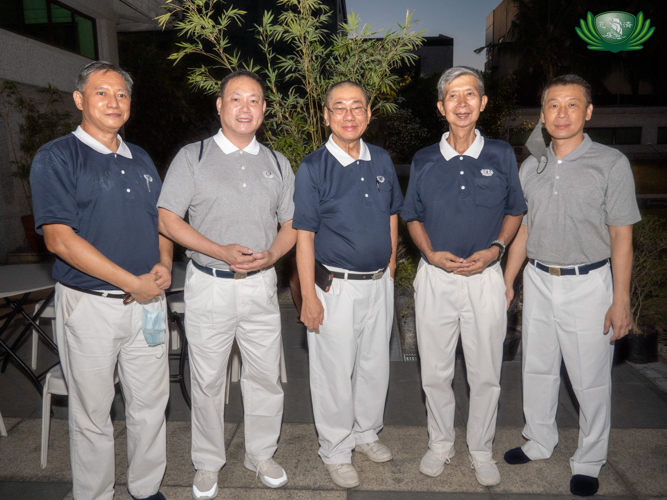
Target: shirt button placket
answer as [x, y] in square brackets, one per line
[557, 177]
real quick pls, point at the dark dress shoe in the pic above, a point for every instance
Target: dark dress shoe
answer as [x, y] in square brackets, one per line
[584, 486]
[516, 456]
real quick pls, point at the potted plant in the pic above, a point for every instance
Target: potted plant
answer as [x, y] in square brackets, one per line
[42, 122]
[649, 277]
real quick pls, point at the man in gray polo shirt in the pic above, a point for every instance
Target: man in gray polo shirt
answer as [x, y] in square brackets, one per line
[581, 208]
[236, 192]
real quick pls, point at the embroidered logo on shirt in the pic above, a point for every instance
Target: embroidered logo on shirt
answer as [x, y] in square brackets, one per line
[487, 172]
[268, 175]
[149, 179]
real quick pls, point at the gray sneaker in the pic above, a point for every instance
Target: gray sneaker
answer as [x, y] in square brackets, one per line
[375, 451]
[344, 475]
[271, 474]
[487, 473]
[433, 464]
[205, 485]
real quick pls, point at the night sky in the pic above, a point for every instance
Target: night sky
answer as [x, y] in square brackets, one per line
[463, 20]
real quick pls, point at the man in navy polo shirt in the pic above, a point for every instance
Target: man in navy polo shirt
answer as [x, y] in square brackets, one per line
[463, 205]
[347, 198]
[95, 200]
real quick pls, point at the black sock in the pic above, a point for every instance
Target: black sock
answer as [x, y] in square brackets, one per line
[516, 456]
[584, 486]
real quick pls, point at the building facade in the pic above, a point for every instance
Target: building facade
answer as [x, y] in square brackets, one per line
[48, 42]
[638, 131]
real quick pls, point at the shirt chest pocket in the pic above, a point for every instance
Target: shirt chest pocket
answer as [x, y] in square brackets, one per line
[383, 195]
[270, 189]
[489, 191]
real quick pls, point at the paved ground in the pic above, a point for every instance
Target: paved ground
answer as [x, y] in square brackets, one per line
[637, 466]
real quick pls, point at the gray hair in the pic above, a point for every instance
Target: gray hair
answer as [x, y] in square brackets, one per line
[452, 73]
[96, 67]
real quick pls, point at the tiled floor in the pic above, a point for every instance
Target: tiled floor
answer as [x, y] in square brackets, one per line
[637, 466]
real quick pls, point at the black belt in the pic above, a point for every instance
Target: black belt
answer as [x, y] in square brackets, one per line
[219, 273]
[352, 276]
[108, 295]
[568, 271]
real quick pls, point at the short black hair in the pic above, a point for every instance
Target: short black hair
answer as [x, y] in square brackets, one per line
[561, 81]
[102, 66]
[237, 74]
[345, 83]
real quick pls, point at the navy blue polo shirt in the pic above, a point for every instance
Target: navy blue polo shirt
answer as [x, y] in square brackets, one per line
[108, 199]
[462, 201]
[348, 208]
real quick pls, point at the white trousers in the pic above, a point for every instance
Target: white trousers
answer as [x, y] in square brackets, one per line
[94, 334]
[447, 305]
[563, 318]
[217, 311]
[349, 364]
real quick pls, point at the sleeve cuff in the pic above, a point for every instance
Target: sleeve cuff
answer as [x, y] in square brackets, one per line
[173, 209]
[74, 224]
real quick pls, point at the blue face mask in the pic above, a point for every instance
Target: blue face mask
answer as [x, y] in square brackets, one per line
[154, 326]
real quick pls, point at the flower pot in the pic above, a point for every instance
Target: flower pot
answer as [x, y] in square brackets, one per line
[638, 348]
[35, 241]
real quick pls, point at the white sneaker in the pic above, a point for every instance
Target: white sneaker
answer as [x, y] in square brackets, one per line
[205, 485]
[375, 451]
[433, 464]
[271, 474]
[344, 475]
[487, 473]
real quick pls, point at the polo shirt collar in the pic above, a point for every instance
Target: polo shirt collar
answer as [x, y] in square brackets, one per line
[578, 152]
[227, 146]
[344, 158]
[473, 150]
[93, 143]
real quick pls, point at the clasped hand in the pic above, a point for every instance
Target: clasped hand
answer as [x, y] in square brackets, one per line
[474, 264]
[243, 260]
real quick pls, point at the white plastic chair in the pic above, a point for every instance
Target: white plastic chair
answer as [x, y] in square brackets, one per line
[3, 429]
[54, 383]
[49, 313]
[177, 306]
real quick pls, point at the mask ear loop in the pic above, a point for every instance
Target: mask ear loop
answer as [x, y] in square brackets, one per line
[540, 163]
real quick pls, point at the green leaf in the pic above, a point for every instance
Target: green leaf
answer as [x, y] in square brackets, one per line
[585, 37]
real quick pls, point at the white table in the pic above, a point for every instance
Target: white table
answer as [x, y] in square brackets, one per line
[23, 279]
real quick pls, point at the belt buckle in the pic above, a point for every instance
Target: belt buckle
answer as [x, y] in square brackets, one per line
[554, 271]
[378, 275]
[240, 276]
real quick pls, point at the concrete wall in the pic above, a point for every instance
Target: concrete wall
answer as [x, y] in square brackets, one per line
[13, 202]
[29, 61]
[33, 64]
[648, 118]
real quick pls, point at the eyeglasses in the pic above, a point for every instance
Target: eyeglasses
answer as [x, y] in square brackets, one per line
[342, 111]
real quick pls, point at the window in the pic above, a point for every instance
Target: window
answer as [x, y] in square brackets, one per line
[662, 135]
[616, 136]
[52, 23]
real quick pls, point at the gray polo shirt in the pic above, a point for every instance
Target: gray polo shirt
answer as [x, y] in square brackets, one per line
[232, 195]
[574, 200]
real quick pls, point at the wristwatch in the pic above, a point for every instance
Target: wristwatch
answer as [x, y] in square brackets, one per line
[501, 248]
